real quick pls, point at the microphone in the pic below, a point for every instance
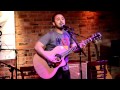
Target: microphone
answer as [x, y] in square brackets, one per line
[66, 27]
[69, 29]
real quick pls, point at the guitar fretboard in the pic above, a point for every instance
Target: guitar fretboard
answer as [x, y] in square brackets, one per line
[75, 48]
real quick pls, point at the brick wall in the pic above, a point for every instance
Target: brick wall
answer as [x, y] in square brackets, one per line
[31, 25]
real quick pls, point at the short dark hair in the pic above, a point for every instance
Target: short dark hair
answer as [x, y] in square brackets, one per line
[53, 17]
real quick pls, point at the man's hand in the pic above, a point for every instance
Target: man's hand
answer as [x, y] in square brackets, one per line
[53, 59]
[82, 44]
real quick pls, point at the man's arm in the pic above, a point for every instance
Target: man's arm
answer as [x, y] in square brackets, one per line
[39, 47]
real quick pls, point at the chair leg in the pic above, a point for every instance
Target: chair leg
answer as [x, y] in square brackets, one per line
[22, 74]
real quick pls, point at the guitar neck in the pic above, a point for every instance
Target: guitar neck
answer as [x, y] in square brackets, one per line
[96, 36]
[68, 51]
[75, 47]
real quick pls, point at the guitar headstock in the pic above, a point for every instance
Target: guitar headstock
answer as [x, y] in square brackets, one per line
[96, 36]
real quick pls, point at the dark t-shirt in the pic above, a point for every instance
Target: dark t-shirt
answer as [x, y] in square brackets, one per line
[53, 39]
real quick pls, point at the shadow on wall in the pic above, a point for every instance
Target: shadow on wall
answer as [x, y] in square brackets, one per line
[115, 52]
[105, 52]
[112, 54]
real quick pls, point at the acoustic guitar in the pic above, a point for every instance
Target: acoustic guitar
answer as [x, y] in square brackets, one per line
[47, 71]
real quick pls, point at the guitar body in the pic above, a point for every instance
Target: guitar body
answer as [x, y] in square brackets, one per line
[41, 66]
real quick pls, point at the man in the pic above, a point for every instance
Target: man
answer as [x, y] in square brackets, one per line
[56, 37]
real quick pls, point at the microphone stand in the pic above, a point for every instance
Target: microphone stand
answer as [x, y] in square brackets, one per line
[70, 32]
[12, 68]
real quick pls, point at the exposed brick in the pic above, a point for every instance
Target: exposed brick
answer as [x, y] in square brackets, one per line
[31, 25]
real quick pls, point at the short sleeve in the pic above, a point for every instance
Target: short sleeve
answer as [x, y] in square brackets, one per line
[45, 39]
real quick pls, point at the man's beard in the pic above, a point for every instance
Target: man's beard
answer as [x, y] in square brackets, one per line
[61, 28]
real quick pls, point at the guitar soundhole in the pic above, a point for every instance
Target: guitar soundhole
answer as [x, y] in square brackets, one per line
[58, 56]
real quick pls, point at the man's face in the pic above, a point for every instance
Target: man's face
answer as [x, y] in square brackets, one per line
[59, 21]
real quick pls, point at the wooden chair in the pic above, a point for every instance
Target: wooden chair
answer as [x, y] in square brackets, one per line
[98, 70]
[29, 71]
